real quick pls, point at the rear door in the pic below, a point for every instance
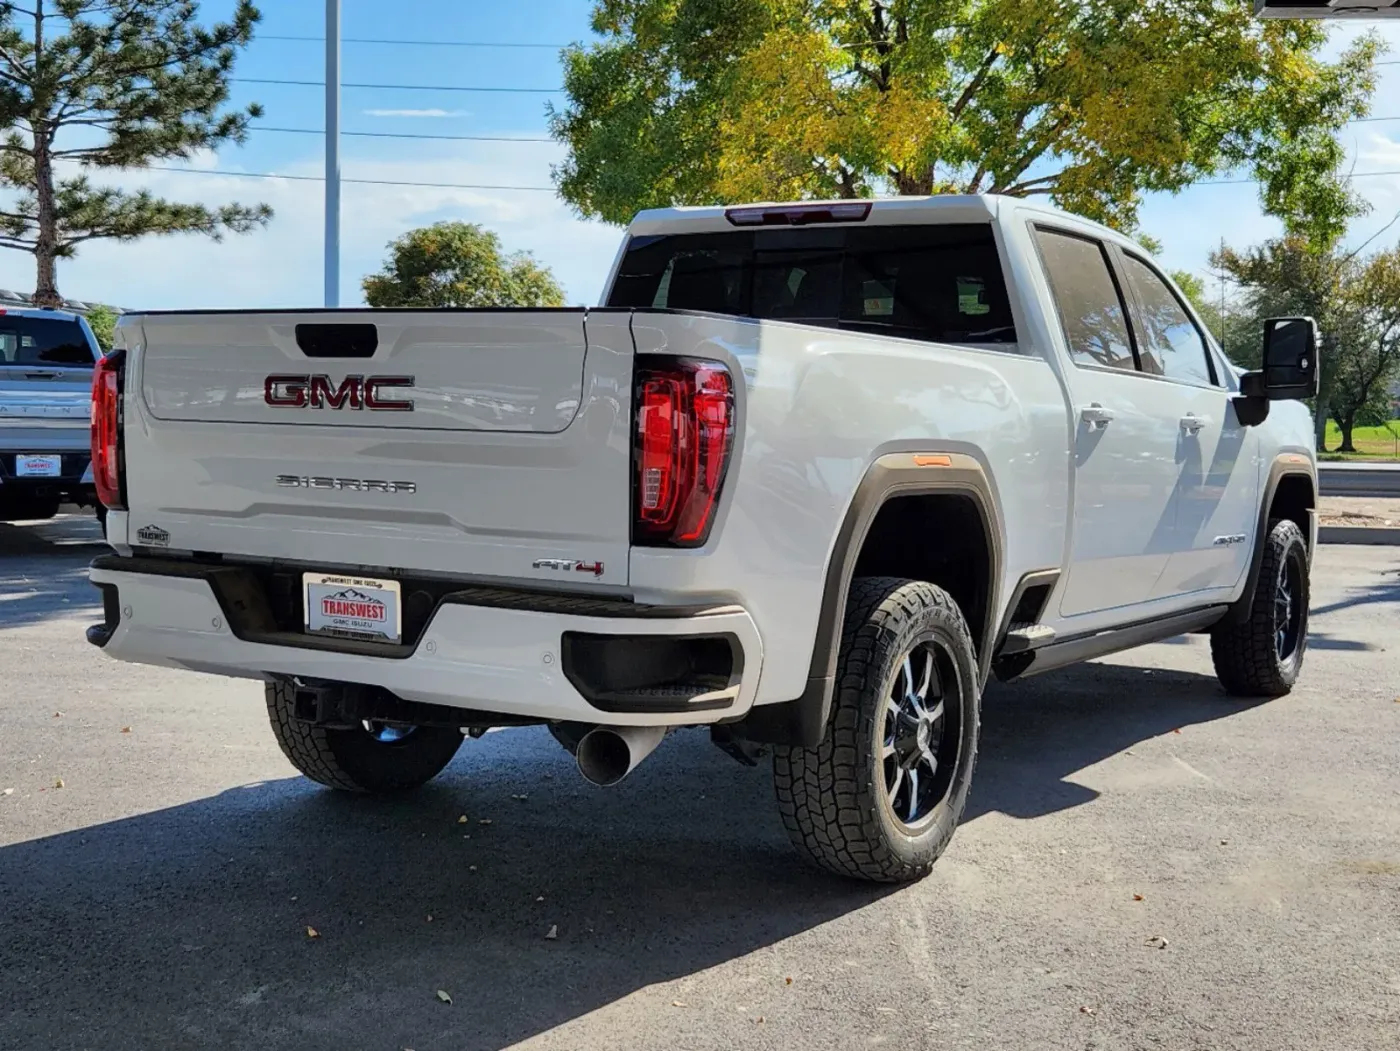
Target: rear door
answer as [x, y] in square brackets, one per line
[465, 443]
[1125, 456]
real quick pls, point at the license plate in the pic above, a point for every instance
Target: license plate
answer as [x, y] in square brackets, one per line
[352, 607]
[38, 466]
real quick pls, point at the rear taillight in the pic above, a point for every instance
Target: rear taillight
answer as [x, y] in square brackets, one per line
[685, 431]
[106, 431]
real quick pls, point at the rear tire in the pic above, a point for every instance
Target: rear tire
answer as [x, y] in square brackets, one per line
[361, 759]
[1262, 655]
[880, 797]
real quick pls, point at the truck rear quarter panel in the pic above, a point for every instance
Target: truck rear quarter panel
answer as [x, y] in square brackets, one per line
[818, 407]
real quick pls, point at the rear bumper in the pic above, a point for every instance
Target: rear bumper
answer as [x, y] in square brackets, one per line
[507, 659]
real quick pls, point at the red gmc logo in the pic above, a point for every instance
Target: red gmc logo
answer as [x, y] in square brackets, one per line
[355, 392]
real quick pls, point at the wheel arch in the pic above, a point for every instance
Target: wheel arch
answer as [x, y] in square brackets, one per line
[1290, 491]
[941, 482]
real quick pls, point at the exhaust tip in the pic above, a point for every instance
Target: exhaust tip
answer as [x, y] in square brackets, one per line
[604, 758]
[606, 755]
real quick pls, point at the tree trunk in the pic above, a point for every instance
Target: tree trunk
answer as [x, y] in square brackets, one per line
[1347, 425]
[1320, 425]
[46, 243]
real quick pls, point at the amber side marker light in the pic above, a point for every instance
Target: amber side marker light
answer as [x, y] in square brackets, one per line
[933, 461]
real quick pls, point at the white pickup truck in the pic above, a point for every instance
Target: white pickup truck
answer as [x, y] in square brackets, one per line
[811, 475]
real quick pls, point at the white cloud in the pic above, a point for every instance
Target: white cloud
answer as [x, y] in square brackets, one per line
[415, 113]
[281, 266]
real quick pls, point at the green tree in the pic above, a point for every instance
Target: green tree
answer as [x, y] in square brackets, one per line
[453, 264]
[103, 322]
[1088, 102]
[1356, 301]
[111, 84]
[1239, 333]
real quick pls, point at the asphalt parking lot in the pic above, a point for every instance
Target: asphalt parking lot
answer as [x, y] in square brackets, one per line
[1145, 864]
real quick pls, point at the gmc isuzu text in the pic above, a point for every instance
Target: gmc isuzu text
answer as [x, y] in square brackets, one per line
[811, 475]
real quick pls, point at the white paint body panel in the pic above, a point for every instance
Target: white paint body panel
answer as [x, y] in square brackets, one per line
[500, 660]
[1130, 522]
[203, 451]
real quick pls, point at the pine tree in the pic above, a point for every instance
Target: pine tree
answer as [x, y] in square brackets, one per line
[111, 84]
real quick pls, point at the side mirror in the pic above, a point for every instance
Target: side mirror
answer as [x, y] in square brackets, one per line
[1290, 371]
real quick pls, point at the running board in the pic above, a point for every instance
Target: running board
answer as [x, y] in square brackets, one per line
[1101, 644]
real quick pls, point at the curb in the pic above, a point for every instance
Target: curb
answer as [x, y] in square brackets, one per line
[1358, 535]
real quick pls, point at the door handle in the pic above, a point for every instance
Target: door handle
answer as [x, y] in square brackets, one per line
[1191, 423]
[1096, 416]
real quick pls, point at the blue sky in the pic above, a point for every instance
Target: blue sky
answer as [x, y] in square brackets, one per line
[282, 265]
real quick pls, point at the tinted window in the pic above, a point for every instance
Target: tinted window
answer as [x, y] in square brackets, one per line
[1169, 343]
[940, 283]
[42, 341]
[1091, 309]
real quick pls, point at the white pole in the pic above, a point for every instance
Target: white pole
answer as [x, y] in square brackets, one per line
[332, 153]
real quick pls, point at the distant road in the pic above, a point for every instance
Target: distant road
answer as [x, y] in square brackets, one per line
[1359, 479]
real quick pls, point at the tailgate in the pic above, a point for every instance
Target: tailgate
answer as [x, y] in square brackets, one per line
[478, 444]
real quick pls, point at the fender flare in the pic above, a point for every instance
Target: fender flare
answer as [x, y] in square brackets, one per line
[1285, 465]
[803, 721]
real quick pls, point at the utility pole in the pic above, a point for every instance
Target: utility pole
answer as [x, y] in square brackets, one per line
[332, 153]
[1222, 293]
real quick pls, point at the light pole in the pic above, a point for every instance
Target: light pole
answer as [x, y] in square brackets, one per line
[332, 153]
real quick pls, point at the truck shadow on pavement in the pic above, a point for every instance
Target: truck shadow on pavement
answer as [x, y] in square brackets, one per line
[188, 927]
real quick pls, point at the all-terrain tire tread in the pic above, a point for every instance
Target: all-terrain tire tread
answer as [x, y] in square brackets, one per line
[1246, 661]
[306, 746]
[823, 797]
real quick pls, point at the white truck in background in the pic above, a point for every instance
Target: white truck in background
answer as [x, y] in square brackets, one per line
[46, 363]
[809, 477]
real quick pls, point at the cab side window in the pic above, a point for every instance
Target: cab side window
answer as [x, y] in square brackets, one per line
[1169, 343]
[1090, 304]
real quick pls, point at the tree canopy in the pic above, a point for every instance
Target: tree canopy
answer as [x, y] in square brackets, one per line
[1090, 103]
[453, 264]
[111, 84]
[1356, 301]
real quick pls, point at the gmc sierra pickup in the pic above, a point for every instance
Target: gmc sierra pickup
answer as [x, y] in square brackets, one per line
[808, 478]
[46, 363]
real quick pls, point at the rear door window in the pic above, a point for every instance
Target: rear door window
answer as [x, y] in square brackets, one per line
[1088, 299]
[43, 342]
[940, 283]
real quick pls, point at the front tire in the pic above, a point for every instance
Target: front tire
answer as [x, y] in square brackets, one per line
[376, 758]
[1262, 655]
[880, 797]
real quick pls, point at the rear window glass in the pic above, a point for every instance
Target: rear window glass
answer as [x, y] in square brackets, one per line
[940, 283]
[43, 341]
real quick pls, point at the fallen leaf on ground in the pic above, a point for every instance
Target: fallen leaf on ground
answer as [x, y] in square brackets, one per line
[1176, 731]
[1087, 1011]
[126, 729]
[312, 932]
[787, 981]
[58, 783]
[1137, 897]
[484, 821]
[1224, 842]
[1157, 941]
[553, 932]
[759, 1020]
[679, 1003]
[430, 919]
[471, 868]
[58, 715]
[8, 792]
[540, 898]
[462, 820]
[442, 995]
